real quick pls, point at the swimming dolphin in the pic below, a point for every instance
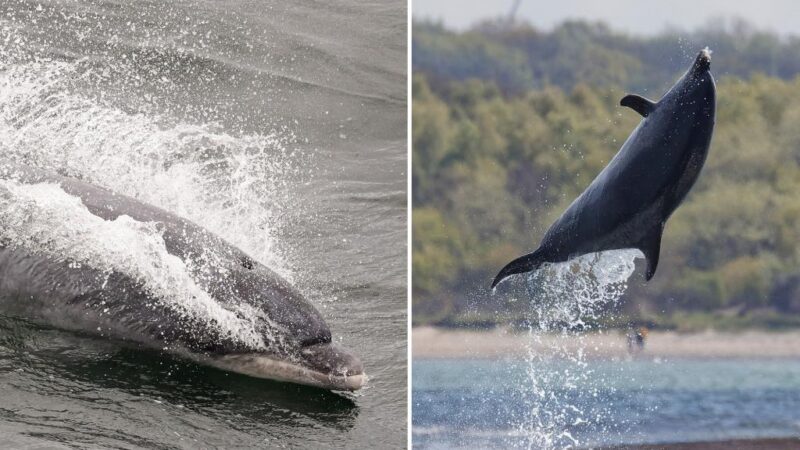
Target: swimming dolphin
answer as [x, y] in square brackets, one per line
[249, 321]
[629, 202]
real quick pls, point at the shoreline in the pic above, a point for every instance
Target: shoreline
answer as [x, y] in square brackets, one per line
[439, 343]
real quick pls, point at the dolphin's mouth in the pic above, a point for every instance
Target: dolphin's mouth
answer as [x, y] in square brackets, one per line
[327, 366]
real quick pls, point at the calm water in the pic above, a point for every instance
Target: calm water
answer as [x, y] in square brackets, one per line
[280, 126]
[486, 403]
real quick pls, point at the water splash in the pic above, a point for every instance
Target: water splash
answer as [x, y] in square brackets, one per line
[45, 220]
[236, 186]
[566, 300]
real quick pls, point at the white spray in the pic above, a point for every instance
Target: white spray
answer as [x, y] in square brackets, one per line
[566, 299]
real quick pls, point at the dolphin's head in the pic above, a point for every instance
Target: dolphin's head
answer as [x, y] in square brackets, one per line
[301, 349]
[298, 342]
[702, 64]
[691, 103]
[697, 85]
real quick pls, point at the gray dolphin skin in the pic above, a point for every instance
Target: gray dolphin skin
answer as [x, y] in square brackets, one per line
[628, 204]
[295, 343]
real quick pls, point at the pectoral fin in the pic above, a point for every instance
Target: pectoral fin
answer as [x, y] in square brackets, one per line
[651, 247]
[638, 103]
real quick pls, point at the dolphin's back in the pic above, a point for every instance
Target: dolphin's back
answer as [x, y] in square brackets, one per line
[227, 273]
[632, 186]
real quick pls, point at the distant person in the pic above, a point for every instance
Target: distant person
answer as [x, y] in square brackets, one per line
[641, 336]
[636, 339]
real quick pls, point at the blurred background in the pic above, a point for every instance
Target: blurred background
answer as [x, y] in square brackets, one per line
[515, 110]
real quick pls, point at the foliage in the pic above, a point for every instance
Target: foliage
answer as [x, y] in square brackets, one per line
[518, 57]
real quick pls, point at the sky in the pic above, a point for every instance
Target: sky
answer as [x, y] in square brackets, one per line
[641, 17]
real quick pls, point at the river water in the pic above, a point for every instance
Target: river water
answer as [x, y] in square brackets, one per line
[463, 403]
[279, 126]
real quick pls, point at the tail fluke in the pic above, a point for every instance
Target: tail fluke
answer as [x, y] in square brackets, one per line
[526, 263]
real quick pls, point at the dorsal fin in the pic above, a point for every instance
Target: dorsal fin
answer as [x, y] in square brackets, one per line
[651, 247]
[638, 103]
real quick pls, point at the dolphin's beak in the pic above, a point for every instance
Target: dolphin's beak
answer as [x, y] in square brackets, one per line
[703, 62]
[327, 366]
[339, 365]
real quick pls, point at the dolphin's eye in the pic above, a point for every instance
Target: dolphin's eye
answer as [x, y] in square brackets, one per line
[322, 339]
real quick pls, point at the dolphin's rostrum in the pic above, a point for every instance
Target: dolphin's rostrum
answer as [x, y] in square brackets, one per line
[628, 204]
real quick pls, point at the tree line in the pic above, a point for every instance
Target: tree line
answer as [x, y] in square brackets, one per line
[518, 57]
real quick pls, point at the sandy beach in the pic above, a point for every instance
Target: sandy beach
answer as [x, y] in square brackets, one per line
[430, 342]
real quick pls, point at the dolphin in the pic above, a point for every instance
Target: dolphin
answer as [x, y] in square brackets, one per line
[627, 205]
[239, 315]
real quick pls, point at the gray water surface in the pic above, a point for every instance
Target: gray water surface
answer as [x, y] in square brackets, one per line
[280, 126]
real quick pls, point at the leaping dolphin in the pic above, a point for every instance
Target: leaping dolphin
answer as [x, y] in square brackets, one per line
[629, 202]
[230, 311]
